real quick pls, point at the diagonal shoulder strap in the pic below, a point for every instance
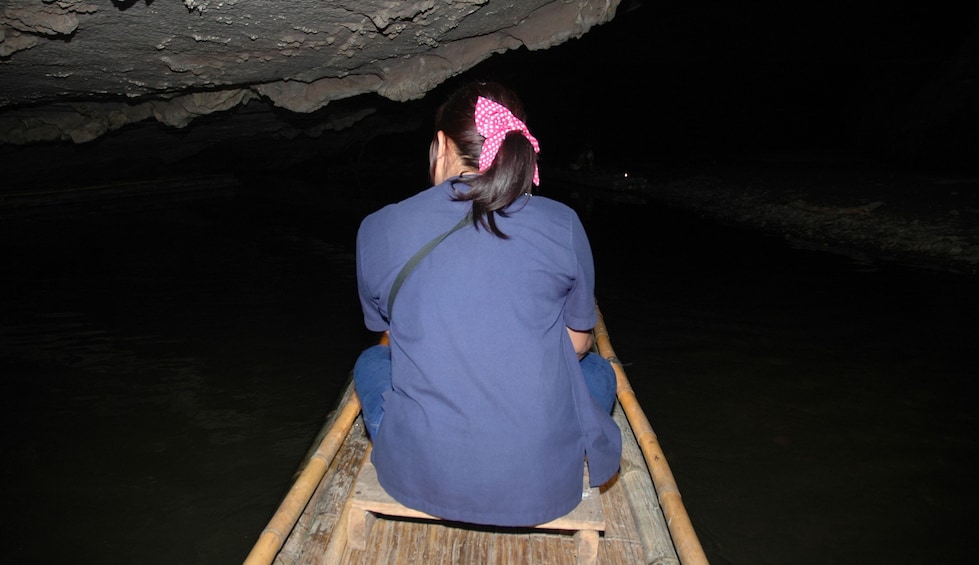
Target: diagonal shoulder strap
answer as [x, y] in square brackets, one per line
[417, 257]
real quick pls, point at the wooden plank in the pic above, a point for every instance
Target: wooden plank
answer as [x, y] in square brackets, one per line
[368, 495]
[586, 546]
[650, 522]
[369, 498]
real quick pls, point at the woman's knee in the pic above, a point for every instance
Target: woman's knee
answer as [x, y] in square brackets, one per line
[372, 378]
[373, 364]
[600, 378]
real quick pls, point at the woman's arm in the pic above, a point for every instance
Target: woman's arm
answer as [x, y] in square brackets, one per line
[582, 342]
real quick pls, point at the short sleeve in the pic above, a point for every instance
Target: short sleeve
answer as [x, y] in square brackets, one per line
[367, 281]
[579, 312]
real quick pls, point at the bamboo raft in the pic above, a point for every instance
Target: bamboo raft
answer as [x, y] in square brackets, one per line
[645, 520]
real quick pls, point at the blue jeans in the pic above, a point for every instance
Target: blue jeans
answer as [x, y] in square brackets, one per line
[372, 377]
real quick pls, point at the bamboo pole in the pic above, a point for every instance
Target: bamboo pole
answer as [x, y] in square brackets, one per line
[685, 539]
[292, 506]
[275, 533]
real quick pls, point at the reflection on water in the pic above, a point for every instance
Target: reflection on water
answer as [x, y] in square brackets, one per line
[168, 370]
[813, 409]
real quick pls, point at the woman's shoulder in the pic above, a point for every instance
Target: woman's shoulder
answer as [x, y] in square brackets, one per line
[413, 203]
[552, 204]
[557, 210]
[429, 207]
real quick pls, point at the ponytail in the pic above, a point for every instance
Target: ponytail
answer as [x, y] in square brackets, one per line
[510, 176]
[499, 146]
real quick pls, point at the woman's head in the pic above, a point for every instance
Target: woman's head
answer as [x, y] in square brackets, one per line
[511, 172]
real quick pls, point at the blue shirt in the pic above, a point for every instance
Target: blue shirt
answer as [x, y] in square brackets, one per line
[489, 419]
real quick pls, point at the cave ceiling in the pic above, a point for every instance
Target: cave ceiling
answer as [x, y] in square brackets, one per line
[76, 70]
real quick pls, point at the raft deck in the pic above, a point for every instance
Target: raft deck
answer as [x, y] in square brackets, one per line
[644, 518]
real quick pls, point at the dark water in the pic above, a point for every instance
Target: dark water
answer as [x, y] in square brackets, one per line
[167, 369]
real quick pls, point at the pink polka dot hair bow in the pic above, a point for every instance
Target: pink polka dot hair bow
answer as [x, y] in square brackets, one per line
[494, 121]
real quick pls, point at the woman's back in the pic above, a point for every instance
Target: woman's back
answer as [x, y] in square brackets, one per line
[484, 424]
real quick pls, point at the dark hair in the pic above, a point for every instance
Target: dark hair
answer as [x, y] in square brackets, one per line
[512, 172]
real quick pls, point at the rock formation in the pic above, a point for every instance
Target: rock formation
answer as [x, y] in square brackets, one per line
[78, 69]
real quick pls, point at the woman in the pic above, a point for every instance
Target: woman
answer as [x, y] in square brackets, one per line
[487, 404]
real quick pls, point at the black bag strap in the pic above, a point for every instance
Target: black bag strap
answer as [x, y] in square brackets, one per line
[417, 257]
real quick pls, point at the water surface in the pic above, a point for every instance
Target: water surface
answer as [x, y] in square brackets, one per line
[167, 369]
